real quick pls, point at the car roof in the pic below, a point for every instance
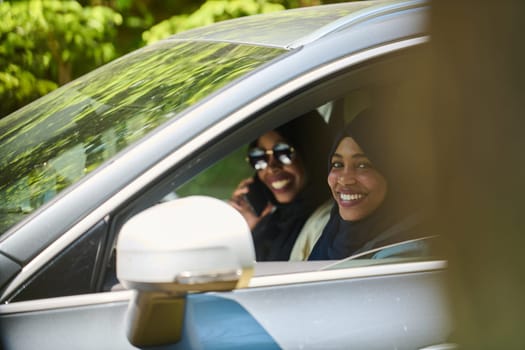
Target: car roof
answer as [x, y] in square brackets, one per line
[294, 28]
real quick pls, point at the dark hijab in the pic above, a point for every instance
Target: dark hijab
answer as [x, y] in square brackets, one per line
[275, 235]
[391, 222]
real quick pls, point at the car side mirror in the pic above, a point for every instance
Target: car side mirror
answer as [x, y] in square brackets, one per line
[192, 244]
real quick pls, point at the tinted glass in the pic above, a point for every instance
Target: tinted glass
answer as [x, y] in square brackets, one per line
[57, 140]
[72, 272]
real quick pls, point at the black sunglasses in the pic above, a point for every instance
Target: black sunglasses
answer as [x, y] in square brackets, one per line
[259, 158]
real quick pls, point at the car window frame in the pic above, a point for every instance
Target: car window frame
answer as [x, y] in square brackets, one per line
[311, 96]
[238, 128]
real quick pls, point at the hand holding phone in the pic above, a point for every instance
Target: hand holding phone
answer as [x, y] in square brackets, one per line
[258, 196]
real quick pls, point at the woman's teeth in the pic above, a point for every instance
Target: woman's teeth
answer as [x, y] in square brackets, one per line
[279, 184]
[350, 197]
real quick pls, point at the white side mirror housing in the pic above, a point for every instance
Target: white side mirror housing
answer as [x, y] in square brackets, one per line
[190, 244]
[184, 245]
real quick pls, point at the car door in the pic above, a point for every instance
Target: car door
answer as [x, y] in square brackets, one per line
[388, 306]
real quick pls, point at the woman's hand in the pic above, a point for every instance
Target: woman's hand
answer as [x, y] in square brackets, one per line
[239, 202]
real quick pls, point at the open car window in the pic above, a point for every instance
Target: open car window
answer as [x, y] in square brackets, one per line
[341, 107]
[220, 179]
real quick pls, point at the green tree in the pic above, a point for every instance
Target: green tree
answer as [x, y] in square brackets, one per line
[44, 44]
[211, 11]
[140, 15]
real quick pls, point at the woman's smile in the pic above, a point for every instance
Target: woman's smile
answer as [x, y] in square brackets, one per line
[280, 183]
[350, 199]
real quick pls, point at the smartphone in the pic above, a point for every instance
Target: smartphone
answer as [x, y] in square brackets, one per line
[258, 195]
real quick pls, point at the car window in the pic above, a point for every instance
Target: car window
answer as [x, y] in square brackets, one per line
[54, 142]
[338, 112]
[73, 272]
[220, 179]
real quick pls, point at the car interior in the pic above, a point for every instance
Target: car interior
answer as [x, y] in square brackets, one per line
[338, 98]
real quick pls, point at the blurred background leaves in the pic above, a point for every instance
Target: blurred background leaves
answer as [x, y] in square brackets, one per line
[44, 44]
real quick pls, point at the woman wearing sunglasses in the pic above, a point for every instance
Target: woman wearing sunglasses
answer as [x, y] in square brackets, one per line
[287, 185]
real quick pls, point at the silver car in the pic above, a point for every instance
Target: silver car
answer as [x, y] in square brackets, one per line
[104, 182]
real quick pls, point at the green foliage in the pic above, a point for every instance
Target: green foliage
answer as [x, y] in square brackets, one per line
[210, 12]
[44, 44]
[220, 179]
[18, 86]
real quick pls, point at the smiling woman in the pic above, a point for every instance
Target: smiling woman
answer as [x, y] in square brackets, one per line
[286, 167]
[370, 208]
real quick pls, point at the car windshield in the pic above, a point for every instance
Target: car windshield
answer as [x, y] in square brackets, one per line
[55, 141]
